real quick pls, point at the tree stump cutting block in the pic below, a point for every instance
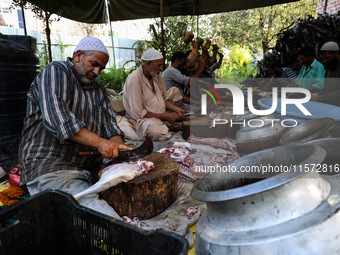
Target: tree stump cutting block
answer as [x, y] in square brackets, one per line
[149, 194]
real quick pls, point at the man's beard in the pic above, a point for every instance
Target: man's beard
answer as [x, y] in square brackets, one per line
[331, 64]
[153, 72]
[82, 77]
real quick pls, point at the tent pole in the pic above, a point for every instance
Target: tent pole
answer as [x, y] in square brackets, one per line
[197, 20]
[162, 30]
[23, 19]
[112, 42]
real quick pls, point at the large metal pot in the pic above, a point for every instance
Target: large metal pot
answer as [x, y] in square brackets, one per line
[307, 131]
[331, 164]
[296, 212]
[254, 136]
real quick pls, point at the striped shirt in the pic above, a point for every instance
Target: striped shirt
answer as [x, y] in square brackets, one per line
[58, 106]
[287, 76]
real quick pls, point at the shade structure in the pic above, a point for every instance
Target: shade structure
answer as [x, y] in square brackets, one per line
[94, 11]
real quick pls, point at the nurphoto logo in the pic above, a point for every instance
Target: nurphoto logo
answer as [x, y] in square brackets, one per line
[239, 104]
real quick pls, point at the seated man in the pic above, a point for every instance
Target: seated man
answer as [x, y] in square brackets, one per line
[280, 76]
[173, 77]
[330, 94]
[312, 73]
[146, 100]
[69, 112]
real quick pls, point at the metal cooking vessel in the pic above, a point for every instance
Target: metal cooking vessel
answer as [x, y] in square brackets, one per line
[307, 131]
[296, 212]
[332, 160]
[250, 138]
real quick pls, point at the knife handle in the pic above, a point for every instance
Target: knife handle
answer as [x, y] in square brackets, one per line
[89, 153]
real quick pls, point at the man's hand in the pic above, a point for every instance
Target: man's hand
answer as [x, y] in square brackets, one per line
[171, 117]
[182, 112]
[201, 63]
[110, 149]
[314, 98]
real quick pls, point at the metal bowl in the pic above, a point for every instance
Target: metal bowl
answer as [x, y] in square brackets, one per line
[307, 131]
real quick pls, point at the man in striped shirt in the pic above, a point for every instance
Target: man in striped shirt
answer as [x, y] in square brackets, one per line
[280, 76]
[68, 112]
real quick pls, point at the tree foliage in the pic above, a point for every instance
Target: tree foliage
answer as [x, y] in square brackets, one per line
[175, 28]
[255, 28]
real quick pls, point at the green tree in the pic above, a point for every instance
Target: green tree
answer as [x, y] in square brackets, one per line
[256, 28]
[175, 28]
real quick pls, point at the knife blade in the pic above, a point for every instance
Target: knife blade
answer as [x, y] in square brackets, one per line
[142, 151]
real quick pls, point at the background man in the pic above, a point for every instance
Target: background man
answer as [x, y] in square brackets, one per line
[173, 76]
[312, 73]
[330, 94]
[280, 76]
[67, 112]
[145, 98]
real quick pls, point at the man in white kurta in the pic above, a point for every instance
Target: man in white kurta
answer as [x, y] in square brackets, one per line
[146, 100]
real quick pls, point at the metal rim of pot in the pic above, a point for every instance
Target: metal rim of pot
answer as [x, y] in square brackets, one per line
[292, 135]
[317, 156]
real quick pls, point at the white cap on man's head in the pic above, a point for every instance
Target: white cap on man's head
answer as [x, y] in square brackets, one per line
[91, 43]
[151, 54]
[330, 46]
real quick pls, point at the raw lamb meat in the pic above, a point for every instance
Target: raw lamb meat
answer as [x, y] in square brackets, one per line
[200, 154]
[115, 174]
[225, 143]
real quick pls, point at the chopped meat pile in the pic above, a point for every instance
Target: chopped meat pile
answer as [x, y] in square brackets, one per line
[198, 154]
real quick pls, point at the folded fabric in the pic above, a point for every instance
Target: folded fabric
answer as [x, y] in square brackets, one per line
[7, 197]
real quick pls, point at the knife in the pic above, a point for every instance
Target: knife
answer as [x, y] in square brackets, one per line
[142, 151]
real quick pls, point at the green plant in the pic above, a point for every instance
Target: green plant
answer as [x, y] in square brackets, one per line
[175, 28]
[239, 64]
[61, 46]
[43, 56]
[114, 78]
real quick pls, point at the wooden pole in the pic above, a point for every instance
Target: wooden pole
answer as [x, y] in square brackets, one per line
[111, 33]
[23, 18]
[162, 30]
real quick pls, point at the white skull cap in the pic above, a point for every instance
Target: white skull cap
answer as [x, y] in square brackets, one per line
[91, 43]
[330, 46]
[151, 54]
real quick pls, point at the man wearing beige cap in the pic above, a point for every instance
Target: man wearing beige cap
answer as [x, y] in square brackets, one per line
[69, 112]
[146, 100]
[330, 94]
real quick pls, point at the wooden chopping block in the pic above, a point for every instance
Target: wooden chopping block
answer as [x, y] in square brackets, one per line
[149, 194]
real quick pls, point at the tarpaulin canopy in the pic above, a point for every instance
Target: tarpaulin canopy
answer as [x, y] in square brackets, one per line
[94, 11]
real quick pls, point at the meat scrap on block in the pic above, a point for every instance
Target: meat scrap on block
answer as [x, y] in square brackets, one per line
[198, 155]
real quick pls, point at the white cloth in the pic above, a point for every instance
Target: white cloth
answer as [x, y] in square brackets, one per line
[91, 43]
[139, 98]
[127, 128]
